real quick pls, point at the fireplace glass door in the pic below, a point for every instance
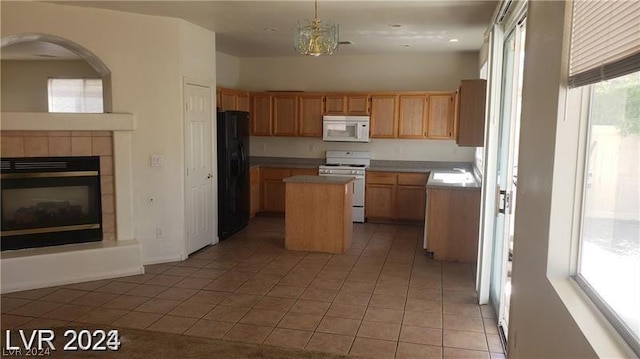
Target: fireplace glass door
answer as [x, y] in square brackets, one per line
[50, 206]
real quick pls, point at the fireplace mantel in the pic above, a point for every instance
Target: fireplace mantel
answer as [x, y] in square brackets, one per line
[44, 121]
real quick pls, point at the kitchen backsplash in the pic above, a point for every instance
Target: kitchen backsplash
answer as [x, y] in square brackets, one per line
[381, 149]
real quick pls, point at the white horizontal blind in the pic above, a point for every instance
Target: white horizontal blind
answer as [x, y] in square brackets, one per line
[75, 95]
[605, 40]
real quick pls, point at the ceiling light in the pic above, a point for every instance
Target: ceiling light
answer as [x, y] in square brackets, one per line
[270, 29]
[453, 40]
[405, 45]
[395, 25]
[315, 37]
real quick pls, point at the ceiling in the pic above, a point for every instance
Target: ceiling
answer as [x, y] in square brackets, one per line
[264, 28]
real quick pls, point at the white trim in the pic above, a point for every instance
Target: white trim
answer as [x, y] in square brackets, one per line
[43, 121]
[50, 266]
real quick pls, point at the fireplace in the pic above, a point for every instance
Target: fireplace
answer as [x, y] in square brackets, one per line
[48, 201]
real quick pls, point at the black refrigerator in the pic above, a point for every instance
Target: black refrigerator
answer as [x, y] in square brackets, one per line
[233, 172]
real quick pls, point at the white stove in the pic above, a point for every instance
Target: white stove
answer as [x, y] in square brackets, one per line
[349, 164]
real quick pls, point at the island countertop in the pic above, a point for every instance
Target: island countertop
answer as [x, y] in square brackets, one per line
[319, 179]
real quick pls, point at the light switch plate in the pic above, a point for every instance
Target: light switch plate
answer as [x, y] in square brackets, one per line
[157, 161]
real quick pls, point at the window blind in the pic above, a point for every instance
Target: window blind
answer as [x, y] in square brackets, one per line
[605, 40]
[75, 95]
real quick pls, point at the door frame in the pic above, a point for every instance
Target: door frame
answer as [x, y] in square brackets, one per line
[505, 21]
[214, 162]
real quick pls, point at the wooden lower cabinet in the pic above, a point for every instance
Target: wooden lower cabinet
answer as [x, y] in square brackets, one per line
[410, 203]
[270, 190]
[393, 196]
[254, 192]
[452, 223]
[379, 201]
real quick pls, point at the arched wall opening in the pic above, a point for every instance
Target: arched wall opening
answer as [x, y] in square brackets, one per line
[80, 52]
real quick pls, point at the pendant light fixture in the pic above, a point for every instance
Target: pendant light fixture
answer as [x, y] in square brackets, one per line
[315, 37]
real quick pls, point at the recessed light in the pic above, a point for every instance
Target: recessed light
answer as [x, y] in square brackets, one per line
[405, 45]
[270, 29]
[453, 40]
[345, 42]
[395, 25]
[45, 55]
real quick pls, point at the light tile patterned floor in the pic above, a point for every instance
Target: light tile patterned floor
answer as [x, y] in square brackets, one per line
[384, 298]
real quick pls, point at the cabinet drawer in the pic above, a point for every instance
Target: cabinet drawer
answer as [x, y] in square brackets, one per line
[412, 179]
[381, 178]
[274, 173]
[304, 172]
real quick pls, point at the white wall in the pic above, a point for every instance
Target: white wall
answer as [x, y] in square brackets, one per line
[24, 83]
[436, 71]
[381, 149]
[148, 57]
[227, 70]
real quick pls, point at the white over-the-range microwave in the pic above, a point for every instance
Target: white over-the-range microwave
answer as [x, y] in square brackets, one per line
[345, 128]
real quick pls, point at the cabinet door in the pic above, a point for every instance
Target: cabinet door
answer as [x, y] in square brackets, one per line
[440, 119]
[254, 192]
[285, 113]
[273, 196]
[228, 100]
[358, 105]
[310, 116]
[471, 113]
[261, 115]
[412, 116]
[379, 201]
[335, 104]
[410, 203]
[242, 101]
[383, 116]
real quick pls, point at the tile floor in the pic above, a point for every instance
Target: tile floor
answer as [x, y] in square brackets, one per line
[384, 298]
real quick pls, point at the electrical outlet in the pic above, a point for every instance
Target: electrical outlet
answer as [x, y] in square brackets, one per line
[159, 233]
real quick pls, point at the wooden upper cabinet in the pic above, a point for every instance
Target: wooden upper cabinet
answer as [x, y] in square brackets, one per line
[412, 116]
[228, 101]
[260, 114]
[440, 117]
[242, 102]
[335, 104]
[383, 116]
[310, 115]
[285, 115]
[470, 113]
[358, 105]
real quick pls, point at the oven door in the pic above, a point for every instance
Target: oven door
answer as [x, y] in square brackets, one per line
[345, 131]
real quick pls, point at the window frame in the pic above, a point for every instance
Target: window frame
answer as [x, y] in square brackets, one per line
[607, 311]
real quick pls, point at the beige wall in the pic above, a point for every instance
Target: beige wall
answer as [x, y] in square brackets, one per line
[381, 149]
[24, 83]
[227, 70]
[435, 71]
[148, 57]
[549, 316]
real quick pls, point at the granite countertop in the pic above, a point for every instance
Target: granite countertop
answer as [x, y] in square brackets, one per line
[319, 179]
[289, 162]
[453, 179]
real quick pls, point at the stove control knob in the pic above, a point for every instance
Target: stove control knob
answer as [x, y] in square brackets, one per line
[353, 172]
[327, 171]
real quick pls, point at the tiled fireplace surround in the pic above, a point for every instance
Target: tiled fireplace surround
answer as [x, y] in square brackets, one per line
[71, 143]
[108, 135]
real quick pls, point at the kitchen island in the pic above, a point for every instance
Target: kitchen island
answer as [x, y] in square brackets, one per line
[318, 213]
